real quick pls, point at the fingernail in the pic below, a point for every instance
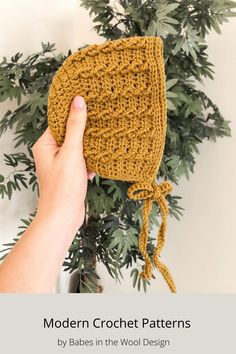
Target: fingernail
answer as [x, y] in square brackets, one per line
[78, 103]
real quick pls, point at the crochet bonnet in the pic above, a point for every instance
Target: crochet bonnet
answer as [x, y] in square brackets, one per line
[123, 84]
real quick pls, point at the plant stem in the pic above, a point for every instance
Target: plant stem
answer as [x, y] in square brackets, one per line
[90, 281]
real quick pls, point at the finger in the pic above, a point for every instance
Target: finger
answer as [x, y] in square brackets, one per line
[46, 146]
[47, 138]
[76, 125]
[91, 175]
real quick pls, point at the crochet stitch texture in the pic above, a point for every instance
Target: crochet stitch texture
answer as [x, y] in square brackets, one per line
[123, 84]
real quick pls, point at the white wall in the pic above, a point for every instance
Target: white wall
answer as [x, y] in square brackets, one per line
[200, 249]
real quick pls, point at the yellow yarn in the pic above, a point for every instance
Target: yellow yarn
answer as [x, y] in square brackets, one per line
[150, 192]
[123, 84]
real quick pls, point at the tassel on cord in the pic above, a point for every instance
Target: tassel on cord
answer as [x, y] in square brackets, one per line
[150, 192]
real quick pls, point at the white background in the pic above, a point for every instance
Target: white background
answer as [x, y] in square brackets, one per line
[200, 249]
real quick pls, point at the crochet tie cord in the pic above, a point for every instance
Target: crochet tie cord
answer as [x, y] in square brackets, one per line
[123, 84]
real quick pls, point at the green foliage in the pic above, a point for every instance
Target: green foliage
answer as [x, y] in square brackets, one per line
[111, 233]
[22, 228]
[22, 175]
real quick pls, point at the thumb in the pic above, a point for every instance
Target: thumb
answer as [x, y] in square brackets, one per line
[76, 123]
[45, 147]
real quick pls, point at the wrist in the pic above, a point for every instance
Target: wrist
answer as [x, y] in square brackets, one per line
[61, 218]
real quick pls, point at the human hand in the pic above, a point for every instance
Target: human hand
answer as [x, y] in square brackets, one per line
[61, 171]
